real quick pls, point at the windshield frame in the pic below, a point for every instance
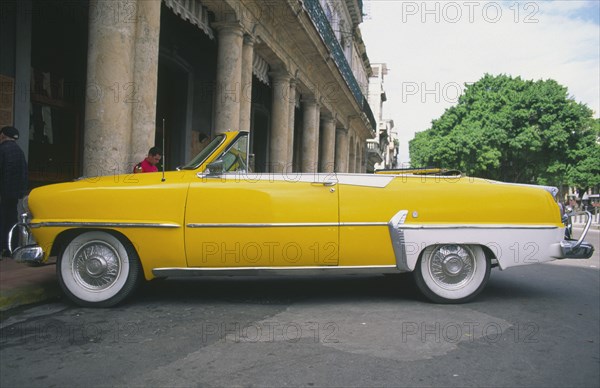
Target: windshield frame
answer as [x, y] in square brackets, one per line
[203, 155]
[230, 146]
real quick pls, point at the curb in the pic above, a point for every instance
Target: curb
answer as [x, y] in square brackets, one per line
[22, 285]
[28, 295]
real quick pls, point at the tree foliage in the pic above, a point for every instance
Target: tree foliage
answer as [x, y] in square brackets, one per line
[514, 130]
[585, 171]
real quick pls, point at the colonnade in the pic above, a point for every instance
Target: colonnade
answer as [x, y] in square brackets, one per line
[123, 66]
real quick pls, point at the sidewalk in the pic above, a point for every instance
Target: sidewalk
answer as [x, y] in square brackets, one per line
[582, 225]
[21, 284]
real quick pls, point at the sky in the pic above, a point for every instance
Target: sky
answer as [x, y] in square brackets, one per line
[432, 48]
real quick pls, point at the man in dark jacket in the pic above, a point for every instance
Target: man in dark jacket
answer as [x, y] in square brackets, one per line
[13, 181]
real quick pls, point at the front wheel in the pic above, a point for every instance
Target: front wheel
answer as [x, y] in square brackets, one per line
[98, 269]
[452, 273]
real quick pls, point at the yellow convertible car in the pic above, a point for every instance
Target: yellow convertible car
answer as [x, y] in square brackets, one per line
[214, 217]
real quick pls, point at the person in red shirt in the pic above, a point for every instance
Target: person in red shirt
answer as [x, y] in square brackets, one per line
[149, 164]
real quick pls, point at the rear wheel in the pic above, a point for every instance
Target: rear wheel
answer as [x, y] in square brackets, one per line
[452, 273]
[98, 269]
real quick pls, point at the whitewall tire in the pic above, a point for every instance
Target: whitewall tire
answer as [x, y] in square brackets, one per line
[98, 269]
[452, 273]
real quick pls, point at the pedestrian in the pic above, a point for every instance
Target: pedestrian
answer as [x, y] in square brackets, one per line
[13, 181]
[150, 162]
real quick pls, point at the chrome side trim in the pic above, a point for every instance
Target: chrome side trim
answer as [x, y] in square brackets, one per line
[363, 223]
[360, 224]
[285, 224]
[104, 225]
[398, 243]
[266, 271]
[266, 225]
[278, 225]
[477, 226]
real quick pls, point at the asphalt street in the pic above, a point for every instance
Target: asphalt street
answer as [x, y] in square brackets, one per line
[537, 325]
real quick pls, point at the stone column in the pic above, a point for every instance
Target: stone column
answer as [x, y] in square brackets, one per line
[351, 155]
[363, 157]
[318, 132]
[145, 79]
[341, 150]
[279, 122]
[310, 135]
[358, 163]
[292, 120]
[229, 76]
[108, 109]
[246, 80]
[327, 155]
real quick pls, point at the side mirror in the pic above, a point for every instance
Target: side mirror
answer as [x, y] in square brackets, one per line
[215, 168]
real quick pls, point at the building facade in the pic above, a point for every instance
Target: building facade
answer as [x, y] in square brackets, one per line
[382, 149]
[92, 85]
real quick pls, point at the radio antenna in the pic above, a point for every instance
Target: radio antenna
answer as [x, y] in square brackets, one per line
[163, 150]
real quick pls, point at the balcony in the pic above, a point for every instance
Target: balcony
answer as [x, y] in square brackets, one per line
[321, 23]
[374, 154]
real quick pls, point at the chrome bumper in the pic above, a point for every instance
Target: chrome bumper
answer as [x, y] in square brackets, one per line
[27, 251]
[576, 249]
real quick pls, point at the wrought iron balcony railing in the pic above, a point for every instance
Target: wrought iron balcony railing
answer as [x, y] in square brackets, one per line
[323, 26]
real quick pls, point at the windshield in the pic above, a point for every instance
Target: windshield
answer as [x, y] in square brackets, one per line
[205, 153]
[236, 157]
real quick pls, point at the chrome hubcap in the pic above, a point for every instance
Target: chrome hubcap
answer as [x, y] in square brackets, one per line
[452, 266]
[96, 265]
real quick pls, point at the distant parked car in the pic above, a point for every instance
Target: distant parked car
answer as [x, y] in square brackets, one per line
[213, 217]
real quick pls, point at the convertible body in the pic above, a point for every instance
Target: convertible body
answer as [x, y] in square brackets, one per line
[213, 217]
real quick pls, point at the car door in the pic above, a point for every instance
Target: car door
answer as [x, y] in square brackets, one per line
[236, 219]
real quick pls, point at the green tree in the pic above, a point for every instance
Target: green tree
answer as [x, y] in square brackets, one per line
[585, 172]
[514, 130]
